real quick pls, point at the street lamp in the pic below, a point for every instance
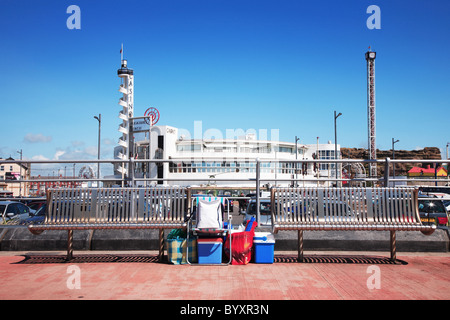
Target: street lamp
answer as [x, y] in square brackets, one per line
[393, 157]
[20, 174]
[296, 164]
[335, 144]
[448, 143]
[99, 119]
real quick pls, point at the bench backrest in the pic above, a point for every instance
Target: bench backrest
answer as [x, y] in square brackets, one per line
[115, 205]
[345, 205]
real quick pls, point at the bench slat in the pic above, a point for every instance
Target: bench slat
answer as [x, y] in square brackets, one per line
[105, 208]
[355, 208]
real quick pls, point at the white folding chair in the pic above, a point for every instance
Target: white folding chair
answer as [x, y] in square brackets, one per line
[208, 220]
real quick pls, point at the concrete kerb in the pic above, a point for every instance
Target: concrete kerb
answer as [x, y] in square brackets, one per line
[19, 239]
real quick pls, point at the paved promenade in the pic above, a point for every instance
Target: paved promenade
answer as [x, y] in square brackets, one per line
[138, 275]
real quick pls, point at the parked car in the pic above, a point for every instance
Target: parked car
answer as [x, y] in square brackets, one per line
[447, 205]
[445, 197]
[264, 210]
[36, 218]
[13, 210]
[433, 211]
[35, 205]
[311, 211]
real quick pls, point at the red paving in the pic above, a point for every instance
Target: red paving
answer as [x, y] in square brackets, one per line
[123, 276]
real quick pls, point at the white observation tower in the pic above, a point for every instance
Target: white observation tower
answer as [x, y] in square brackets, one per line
[126, 101]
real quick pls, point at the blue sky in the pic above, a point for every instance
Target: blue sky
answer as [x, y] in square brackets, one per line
[283, 65]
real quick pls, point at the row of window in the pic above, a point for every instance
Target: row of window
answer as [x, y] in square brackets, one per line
[327, 155]
[260, 149]
[241, 167]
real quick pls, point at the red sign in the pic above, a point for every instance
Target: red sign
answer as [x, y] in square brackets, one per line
[153, 113]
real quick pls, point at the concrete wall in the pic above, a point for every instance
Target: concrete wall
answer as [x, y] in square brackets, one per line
[20, 239]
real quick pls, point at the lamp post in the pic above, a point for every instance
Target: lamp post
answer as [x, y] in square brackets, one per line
[393, 158]
[20, 174]
[448, 167]
[99, 119]
[448, 143]
[296, 164]
[335, 144]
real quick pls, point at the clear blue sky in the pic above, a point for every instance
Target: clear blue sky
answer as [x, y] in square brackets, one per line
[245, 64]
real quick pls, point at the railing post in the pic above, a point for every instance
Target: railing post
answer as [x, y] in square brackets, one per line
[131, 171]
[258, 164]
[188, 204]
[386, 172]
[123, 175]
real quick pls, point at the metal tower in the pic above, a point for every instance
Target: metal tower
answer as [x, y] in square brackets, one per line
[126, 101]
[371, 124]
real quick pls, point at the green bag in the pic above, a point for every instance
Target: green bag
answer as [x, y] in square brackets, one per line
[177, 234]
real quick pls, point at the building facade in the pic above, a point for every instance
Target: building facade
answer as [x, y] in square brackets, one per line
[198, 162]
[10, 173]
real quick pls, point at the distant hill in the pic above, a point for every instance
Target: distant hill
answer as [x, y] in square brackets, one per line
[401, 169]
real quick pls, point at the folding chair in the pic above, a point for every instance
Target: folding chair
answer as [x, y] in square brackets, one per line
[208, 221]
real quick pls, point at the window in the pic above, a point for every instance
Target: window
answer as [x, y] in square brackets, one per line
[189, 148]
[12, 209]
[327, 155]
[430, 206]
[22, 208]
[264, 208]
[285, 149]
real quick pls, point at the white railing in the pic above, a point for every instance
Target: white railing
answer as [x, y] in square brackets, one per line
[254, 177]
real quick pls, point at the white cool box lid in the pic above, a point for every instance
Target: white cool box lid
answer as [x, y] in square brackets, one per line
[263, 237]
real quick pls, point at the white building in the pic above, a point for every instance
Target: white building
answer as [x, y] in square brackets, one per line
[10, 172]
[199, 161]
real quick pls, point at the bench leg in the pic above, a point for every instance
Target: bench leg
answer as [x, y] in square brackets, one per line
[393, 246]
[161, 245]
[300, 246]
[69, 245]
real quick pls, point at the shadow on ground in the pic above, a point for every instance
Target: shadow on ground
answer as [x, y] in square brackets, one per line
[139, 258]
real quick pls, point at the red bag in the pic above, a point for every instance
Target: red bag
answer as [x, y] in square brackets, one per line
[241, 245]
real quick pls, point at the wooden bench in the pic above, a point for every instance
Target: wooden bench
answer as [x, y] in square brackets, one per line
[366, 209]
[114, 208]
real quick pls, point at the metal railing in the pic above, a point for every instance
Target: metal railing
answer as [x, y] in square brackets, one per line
[254, 179]
[131, 179]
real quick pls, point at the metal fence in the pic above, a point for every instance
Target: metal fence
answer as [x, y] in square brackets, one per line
[131, 180]
[255, 179]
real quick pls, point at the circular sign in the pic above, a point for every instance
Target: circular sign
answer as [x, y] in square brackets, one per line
[153, 113]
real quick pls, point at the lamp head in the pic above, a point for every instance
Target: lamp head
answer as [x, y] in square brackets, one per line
[371, 55]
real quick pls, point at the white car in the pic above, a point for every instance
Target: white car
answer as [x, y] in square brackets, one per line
[447, 205]
[264, 211]
[13, 210]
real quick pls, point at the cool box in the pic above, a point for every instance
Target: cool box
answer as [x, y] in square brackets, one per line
[263, 244]
[209, 250]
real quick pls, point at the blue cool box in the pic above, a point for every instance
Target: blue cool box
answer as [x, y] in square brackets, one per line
[209, 250]
[263, 244]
